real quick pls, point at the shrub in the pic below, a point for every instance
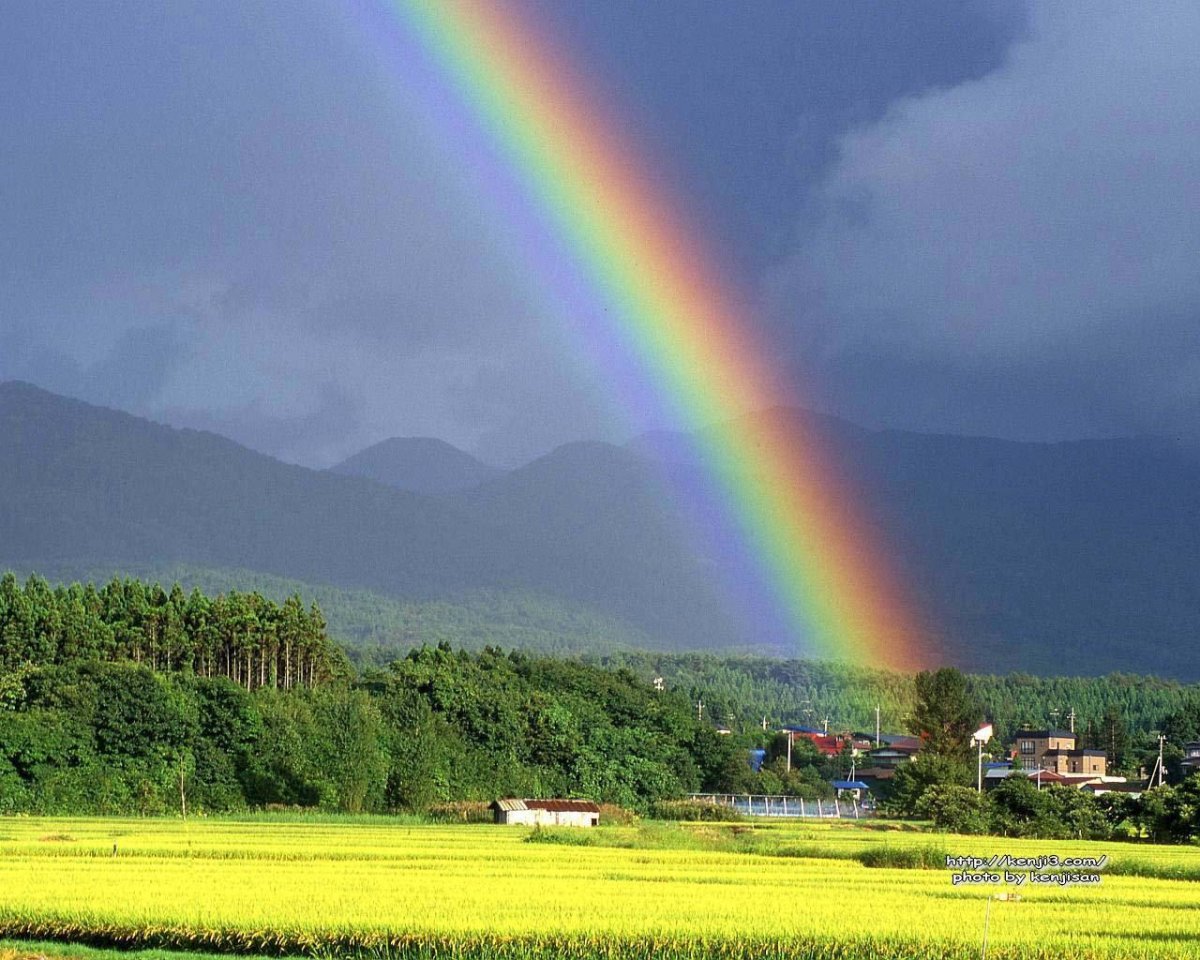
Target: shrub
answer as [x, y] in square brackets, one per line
[694, 810]
[906, 858]
[954, 808]
[613, 815]
[461, 811]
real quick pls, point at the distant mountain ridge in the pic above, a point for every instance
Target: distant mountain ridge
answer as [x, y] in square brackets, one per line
[1053, 558]
[100, 489]
[419, 465]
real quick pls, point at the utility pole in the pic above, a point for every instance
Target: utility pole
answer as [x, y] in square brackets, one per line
[789, 760]
[877, 725]
[987, 915]
[825, 726]
[980, 737]
[700, 709]
[1161, 741]
[1071, 718]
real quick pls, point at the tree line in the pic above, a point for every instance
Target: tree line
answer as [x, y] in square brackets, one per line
[940, 783]
[740, 691]
[131, 698]
[244, 637]
[92, 736]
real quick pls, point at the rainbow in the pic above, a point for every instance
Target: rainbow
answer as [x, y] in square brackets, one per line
[664, 302]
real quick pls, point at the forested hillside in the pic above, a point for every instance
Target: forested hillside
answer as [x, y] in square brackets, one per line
[243, 637]
[740, 691]
[375, 629]
[131, 697]
[92, 488]
[1069, 558]
[92, 737]
[1073, 557]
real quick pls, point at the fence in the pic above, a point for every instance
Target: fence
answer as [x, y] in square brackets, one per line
[762, 805]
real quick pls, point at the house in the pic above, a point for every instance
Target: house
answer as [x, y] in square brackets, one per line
[1046, 778]
[828, 744]
[1055, 750]
[860, 743]
[992, 776]
[897, 750]
[547, 813]
[1092, 762]
[1132, 789]
[1029, 745]
[1093, 783]
[1191, 758]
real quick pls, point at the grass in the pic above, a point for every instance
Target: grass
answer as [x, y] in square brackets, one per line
[53, 950]
[381, 889]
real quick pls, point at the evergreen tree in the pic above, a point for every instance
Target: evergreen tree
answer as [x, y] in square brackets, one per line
[946, 714]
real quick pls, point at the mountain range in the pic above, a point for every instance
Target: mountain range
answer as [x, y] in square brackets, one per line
[418, 464]
[1076, 558]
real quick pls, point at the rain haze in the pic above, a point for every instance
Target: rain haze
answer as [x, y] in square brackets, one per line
[969, 218]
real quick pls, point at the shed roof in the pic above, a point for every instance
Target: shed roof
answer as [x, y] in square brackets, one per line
[552, 806]
[1107, 786]
[1046, 776]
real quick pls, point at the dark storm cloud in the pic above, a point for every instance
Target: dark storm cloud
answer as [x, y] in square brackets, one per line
[1016, 254]
[224, 214]
[235, 215]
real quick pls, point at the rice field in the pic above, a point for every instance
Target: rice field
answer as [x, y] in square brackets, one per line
[386, 888]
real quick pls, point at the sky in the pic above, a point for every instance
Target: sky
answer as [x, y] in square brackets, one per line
[967, 217]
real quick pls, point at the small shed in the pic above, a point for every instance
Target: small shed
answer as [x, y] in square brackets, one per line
[547, 813]
[856, 788]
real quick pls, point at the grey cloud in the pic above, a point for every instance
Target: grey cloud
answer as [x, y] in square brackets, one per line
[530, 402]
[135, 371]
[282, 431]
[24, 355]
[228, 216]
[130, 374]
[1040, 224]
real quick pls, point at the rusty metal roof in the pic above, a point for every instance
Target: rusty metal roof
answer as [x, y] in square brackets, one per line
[551, 806]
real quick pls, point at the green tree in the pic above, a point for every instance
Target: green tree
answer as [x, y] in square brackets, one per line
[946, 714]
[348, 748]
[1114, 736]
[924, 771]
[954, 807]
